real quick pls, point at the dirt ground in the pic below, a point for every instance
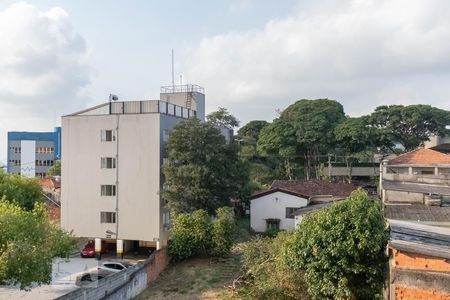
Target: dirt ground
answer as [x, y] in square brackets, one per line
[199, 278]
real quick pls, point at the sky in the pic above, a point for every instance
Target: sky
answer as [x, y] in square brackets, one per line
[253, 57]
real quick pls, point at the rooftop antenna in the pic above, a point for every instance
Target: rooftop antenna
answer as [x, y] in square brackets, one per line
[173, 72]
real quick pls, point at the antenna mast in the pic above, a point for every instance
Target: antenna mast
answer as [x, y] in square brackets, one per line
[173, 72]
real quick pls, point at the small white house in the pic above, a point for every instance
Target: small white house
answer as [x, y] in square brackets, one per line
[279, 206]
[275, 207]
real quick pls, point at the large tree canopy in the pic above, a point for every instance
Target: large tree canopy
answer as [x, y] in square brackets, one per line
[341, 249]
[223, 118]
[203, 171]
[28, 242]
[21, 190]
[304, 130]
[410, 125]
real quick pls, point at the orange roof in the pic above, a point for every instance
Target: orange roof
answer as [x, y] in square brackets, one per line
[421, 156]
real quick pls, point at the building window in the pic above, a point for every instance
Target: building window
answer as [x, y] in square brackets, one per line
[290, 212]
[108, 190]
[108, 163]
[14, 162]
[107, 217]
[16, 149]
[166, 219]
[166, 135]
[108, 135]
[41, 175]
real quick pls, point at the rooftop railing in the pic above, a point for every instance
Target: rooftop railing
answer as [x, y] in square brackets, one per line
[151, 106]
[182, 88]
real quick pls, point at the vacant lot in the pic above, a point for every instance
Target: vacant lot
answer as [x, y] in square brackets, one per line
[199, 278]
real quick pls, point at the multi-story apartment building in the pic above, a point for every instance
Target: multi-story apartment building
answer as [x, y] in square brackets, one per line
[111, 166]
[31, 154]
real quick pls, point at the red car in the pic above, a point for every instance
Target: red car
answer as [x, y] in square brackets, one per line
[89, 249]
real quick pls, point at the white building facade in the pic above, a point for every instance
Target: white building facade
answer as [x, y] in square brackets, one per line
[111, 166]
[275, 208]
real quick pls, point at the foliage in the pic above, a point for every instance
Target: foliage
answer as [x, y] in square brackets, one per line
[223, 118]
[222, 232]
[203, 171]
[267, 277]
[28, 242]
[55, 170]
[342, 249]
[410, 125]
[304, 130]
[21, 190]
[196, 235]
[250, 131]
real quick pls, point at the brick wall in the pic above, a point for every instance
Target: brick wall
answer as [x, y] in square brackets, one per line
[416, 276]
[410, 293]
[413, 261]
[156, 266]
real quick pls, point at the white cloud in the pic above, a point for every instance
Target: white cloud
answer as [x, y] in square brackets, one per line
[362, 53]
[42, 69]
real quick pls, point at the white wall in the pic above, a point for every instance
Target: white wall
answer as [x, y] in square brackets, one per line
[139, 176]
[28, 158]
[273, 206]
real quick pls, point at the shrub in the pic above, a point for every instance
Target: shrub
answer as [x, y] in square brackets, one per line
[222, 232]
[342, 249]
[267, 277]
[195, 235]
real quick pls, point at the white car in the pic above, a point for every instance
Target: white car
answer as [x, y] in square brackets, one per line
[114, 266]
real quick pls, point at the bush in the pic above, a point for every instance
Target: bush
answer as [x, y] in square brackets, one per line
[267, 277]
[196, 235]
[342, 249]
[222, 232]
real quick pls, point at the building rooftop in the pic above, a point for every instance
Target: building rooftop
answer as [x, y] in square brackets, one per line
[417, 213]
[308, 189]
[420, 238]
[421, 156]
[416, 187]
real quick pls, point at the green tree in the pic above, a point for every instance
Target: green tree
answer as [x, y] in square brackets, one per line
[28, 243]
[203, 171]
[353, 137]
[55, 170]
[223, 118]
[21, 190]
[304, 130]
[410, 125]
[341, 249]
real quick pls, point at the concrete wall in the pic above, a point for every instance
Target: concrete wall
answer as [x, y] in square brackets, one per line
[356, 171]
[139, 175]
[443, 179]
[273, 206]
[407, 197]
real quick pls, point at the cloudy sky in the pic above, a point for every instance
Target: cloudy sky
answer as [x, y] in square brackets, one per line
[252, 56]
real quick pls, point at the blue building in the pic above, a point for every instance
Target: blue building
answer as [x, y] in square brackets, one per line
[31, 154]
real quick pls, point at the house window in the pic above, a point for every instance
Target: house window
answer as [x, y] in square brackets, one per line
[272, 224]
[107, 217]
[108, 190]
[108, 135]
[108, 163]
[290, 212]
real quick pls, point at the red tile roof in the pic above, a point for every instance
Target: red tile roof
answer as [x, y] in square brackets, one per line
[421, 156]
[307, 189]
[50, 183]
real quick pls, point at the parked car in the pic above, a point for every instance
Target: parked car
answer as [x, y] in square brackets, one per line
[114, 266]
[89, 249]
[88, 278]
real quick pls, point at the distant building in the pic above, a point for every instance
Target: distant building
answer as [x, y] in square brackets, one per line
[111, 167]
[415, 187]
[31, 154]
[277, 207]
